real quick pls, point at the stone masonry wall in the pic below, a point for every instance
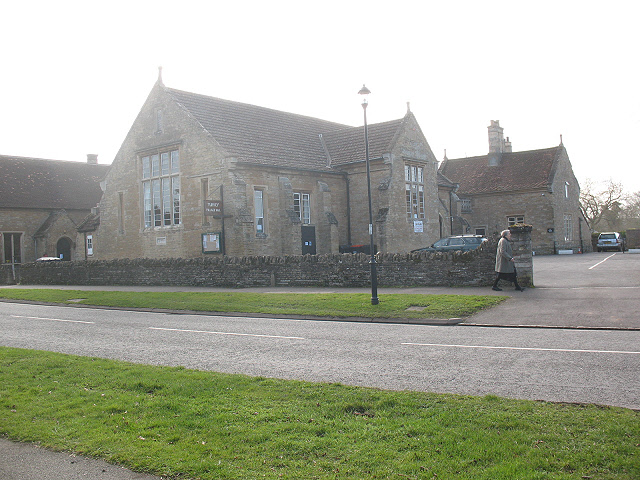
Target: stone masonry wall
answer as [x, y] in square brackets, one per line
[475, 268]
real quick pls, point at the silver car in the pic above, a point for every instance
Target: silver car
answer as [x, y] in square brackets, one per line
[610, 241]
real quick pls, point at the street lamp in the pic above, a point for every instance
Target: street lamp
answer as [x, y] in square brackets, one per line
[374, 275]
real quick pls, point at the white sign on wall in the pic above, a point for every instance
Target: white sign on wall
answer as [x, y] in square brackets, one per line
[417, 226]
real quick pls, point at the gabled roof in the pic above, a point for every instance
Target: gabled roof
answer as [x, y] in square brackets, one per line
[347, 145]
[90, 223]
[271, 137]
[530, 170]
[50, 184]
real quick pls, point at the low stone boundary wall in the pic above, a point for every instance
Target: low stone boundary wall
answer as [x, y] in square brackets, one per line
[475, 268]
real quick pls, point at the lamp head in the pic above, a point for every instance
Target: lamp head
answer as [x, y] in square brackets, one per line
[364, 90]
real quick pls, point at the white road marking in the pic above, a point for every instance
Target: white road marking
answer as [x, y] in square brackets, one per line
[602, 261]
[521, 348]
[51, 319]
[225, 333]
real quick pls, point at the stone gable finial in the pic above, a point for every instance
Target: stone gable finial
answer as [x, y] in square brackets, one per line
[160, 75]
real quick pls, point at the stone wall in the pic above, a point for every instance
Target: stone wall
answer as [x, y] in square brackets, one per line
[475, 268]
[633, 238]
[335, 270]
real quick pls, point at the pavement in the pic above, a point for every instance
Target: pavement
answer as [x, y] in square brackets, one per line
[591, 291]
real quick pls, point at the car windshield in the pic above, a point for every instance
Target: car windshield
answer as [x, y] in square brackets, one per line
[608, 235]
[443, 242]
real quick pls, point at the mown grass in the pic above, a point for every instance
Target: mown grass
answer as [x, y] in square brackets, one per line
[191, 424]
[316, 304]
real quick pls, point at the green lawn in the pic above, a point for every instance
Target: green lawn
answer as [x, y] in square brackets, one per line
[322, 305]
[202, 425]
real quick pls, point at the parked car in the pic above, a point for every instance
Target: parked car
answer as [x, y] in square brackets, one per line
[610, 241]
[454, 243]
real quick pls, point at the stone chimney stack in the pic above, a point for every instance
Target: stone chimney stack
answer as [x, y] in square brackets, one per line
[92, 158]
[507, 146]
[496, 143]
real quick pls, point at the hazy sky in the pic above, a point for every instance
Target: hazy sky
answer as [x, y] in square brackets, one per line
[75, 74]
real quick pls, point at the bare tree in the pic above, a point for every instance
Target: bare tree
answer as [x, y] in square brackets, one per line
[601, 204]
[631, 211]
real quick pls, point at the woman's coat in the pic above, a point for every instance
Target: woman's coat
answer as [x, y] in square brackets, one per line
[504, 254]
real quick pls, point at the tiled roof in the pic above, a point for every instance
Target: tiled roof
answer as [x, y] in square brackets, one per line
[90, 223]
[517, 171]
[272, 137]
[443, 181]
[347, 145]
[50, 184]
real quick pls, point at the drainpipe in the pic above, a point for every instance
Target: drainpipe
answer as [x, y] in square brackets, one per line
[348, 211]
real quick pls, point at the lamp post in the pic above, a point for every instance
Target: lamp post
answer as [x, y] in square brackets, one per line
[374, 275]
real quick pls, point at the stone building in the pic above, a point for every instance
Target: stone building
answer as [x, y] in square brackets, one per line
[199, 175]
[42, 203]
[503, 188]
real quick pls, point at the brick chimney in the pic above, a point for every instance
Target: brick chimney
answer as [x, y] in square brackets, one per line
[92, 158]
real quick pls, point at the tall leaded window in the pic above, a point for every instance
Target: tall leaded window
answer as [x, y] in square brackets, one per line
[258, 202]
[302, 206]
[414, 190]
[161, 189]
[568, 227]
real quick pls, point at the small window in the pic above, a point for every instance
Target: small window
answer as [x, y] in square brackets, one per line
[302, 206]
[89, 244]
[566, 189]
[515, 219]
[465, 205]
[481, 231]
[258, 196]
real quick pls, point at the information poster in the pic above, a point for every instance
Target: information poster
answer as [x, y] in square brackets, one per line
[211, 242]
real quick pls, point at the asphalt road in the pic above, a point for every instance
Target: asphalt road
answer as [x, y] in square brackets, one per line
[559, 365]
[591, 354]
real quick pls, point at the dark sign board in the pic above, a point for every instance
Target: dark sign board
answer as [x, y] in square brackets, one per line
[212, 208]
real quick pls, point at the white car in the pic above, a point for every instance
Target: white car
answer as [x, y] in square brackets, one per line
[49, 259]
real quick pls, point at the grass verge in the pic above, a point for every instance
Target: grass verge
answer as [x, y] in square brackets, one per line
[322, 305]
[202, 425]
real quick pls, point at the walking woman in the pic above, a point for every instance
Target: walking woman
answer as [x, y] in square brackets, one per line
[505, 265]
